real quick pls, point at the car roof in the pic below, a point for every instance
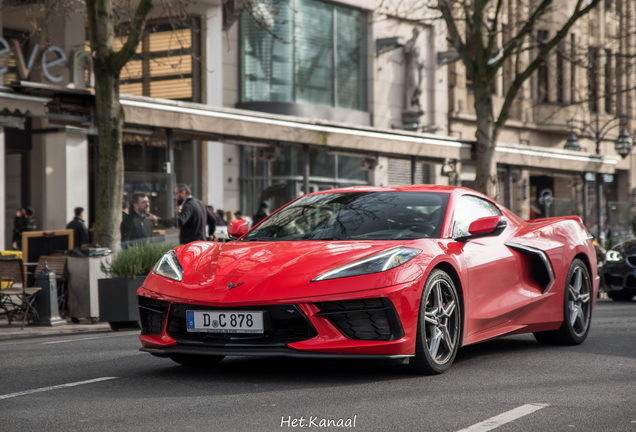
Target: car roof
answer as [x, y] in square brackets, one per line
[406, 188]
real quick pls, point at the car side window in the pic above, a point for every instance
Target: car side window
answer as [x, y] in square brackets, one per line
[469, 209]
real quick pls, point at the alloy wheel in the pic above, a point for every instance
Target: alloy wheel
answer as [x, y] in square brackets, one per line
[579, 301]
[441, 321]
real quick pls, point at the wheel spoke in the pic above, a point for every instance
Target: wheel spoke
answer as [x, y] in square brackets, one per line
[573, 294]
[448, 341]
[437, 296]
[577, 280]
[579, 317]
[449, 309]
[430, 317]
[574, 311]
[585, 298]
[436, 336]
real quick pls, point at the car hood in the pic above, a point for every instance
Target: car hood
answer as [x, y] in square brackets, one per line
[241, 272]
[628, 247]
[266, 259]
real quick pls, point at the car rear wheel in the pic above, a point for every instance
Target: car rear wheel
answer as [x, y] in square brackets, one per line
[438, 327]
[577, 309]
[196, 360]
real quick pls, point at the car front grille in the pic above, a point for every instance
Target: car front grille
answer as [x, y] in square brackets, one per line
[283, 324]
[365, 319]
[631, 260]
[152, 313]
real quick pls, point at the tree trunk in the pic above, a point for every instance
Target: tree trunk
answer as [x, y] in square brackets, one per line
[486, 135]
[109, 116]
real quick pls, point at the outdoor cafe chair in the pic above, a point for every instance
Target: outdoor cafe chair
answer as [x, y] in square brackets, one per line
[16, 298]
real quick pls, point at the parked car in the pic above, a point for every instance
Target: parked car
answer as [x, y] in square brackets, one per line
[410, 273]
[620, 271]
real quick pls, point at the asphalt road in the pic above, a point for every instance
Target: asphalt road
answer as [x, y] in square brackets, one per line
[591, 387]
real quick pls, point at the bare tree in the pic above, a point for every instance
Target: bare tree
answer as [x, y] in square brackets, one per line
[488, 34]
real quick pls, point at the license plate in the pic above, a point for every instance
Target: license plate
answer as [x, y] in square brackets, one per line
[634, 272]
[225, 321]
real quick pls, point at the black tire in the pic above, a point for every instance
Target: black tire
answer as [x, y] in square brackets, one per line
[621, 296]
[577, 309]
[197, 361]
[438, 326]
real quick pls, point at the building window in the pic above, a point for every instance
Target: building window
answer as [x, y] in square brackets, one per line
[542, 82]
[166, 64]
[313, 53]
[592, 80]
[609, 77]
[560, 65]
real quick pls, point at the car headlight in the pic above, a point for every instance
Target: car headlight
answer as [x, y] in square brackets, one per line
[374, 264]
[169, 267]
[613, 256]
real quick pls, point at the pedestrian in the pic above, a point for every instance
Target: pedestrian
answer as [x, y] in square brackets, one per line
[78, 225]
[261, 213]
[219, 220]
[24, 224]
[192, 216]
[125, 209]
[19, 215]
[137, 226]
[240, 216]
[219, 216]
[230, 216]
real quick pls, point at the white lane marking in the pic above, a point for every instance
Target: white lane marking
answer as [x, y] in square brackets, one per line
[88, 338]
[43, 389]
[507, 417]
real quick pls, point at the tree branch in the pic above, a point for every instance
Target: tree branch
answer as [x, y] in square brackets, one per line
[454, 34]
[120, 58]
[521, 77]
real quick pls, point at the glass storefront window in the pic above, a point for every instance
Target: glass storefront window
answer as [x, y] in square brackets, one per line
[301, 58]
[281, 181]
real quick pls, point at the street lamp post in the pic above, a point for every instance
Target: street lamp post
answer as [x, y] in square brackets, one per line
[623, 146]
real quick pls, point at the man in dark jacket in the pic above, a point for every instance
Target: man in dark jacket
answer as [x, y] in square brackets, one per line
[137, 226]
[261, 213]
[192, 216]
[25, 224]
[80, 232]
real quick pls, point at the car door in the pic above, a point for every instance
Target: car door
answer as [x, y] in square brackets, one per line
[494, 293]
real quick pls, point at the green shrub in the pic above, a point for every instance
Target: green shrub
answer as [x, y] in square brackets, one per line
[137, 260]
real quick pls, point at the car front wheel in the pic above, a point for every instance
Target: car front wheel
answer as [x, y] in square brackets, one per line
[439, 326]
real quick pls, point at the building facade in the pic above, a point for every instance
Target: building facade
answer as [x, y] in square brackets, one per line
[295, 96]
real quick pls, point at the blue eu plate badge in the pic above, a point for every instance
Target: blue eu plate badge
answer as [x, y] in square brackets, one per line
[190, 319]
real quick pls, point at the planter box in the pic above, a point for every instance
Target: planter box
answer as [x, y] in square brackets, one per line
[118, 299]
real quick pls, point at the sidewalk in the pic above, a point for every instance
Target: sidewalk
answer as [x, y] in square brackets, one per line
[13, 331]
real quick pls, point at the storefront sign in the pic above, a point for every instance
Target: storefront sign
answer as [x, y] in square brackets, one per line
[50, 57]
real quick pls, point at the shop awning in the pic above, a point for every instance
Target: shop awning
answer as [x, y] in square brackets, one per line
[554, 159]
[199, 121]
[17, 105]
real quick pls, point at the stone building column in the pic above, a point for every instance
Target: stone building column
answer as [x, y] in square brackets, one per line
[60, 172]
[212, 74]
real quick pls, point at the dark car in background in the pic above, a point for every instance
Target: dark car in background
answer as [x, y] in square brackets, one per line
[619, 272]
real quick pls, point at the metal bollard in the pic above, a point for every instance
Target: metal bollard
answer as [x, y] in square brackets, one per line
[46, 299]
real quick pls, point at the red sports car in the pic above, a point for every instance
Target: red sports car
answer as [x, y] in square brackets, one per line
[410, 272]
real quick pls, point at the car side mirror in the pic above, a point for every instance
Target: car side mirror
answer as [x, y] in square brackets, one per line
[237, 229]
[490, 226]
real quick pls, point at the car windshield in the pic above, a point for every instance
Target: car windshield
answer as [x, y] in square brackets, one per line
[356, 216]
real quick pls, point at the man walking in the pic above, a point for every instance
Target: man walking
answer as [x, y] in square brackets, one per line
[78, 225]
[137, 226]
[192, 216]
